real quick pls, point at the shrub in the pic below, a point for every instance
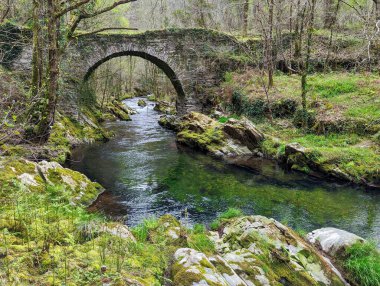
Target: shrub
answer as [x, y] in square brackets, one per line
[254, 108]
[237, 102]
[301, 115]
[284, 108]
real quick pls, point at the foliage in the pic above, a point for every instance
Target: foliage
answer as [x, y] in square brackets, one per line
[142, 230]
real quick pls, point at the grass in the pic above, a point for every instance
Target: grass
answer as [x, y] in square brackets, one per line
[335, 94]
[141, 231]
[327, 86]
[224, 119]
[199, 240]
[363, 264]
[228, 214]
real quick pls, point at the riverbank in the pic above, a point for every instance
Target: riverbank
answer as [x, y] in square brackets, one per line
[339, 141]
[48, 238]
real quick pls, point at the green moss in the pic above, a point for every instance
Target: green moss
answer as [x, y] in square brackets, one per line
[46, 237]
[225, 216]
[209, 140]
[201, 242]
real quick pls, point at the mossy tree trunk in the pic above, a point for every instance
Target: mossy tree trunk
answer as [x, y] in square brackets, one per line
[305, 71]
[48, 114]
[37, 50]
[245, 17]
[270, 45]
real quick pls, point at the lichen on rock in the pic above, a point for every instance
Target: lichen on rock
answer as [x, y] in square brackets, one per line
[254, 250]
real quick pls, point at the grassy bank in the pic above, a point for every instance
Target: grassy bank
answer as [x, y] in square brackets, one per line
[343, 119]
[48, 238]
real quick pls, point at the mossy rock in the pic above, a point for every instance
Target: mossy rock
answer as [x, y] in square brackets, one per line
[142, 103]
[168, 230]
[264, 250]
[36, 176]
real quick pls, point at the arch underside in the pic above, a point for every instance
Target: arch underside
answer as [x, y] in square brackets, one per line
[158, 62]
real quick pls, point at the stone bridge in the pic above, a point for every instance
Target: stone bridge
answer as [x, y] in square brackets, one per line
[193, 59]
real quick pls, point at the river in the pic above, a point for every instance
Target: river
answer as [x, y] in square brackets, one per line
[146, 174]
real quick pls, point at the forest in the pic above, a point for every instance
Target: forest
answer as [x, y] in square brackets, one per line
[190, 142]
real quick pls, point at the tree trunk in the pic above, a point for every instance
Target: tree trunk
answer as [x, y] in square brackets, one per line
[52, 73]
[377, 9]
[329, 14]
[245, 17]
[297, 32]
[307, 61]
[37, 51]
[270, 45]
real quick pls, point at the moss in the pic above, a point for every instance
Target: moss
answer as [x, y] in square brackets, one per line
[210, 140]
[185, 278]
[43, 235]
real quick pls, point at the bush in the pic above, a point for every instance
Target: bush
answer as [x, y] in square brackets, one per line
[284, 108]
[258, 108]
[301, 115]
[363, 263]
[237, 102]
[254, 108]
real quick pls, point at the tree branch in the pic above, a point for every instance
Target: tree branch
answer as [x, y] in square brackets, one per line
[106, 9]
[104, 29]
[6, 12]
[72, 7]
[83, 15]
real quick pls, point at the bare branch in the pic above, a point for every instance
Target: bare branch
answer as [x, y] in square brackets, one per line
[105, 29]
[83, 15]
[71, 8]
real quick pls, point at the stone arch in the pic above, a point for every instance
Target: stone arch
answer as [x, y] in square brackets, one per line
[162, 65]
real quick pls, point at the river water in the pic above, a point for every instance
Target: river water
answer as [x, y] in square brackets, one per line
[146, 174]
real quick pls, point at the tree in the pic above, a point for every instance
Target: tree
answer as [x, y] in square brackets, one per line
[305, 71]
[5, 9]
[377, 9]
[59, 34]
[245, 17]
[329, 15]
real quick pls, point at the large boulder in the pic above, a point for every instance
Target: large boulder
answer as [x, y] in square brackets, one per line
[36, 176]
[333, 241]
[255, 250]
[170, 122]
[244, 131]
[234, 138]
[266, 252]
[165, 107]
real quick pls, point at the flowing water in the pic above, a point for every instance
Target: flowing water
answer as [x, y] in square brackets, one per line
[146, 174]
